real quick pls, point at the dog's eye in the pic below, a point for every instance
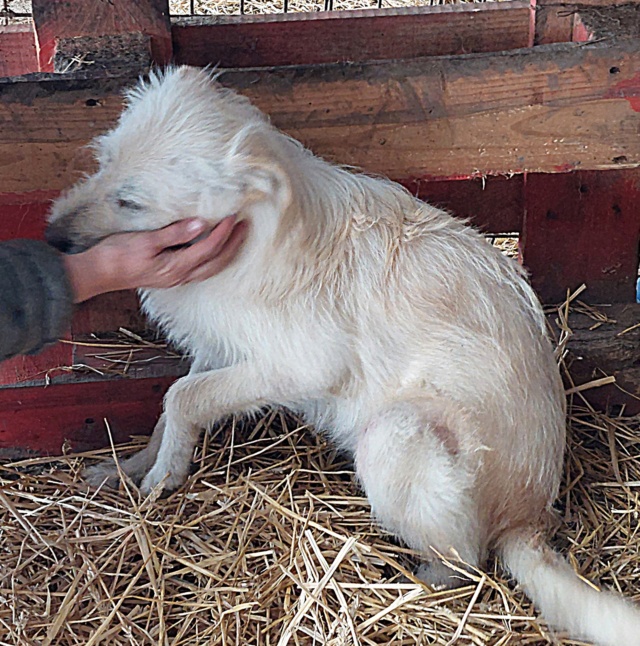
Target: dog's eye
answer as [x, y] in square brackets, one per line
[128, 204]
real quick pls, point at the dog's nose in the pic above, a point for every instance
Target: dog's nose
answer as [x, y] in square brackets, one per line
[58, 240]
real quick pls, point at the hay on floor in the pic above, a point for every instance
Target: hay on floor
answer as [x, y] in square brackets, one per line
[271, 543]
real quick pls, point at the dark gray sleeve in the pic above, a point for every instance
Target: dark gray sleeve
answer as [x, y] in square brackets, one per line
[36, 299]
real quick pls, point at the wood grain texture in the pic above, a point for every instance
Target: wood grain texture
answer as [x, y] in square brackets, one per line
[554, 23]
[36, 368]
[107, 313]
[494, 204]
[610, 349]
[587, 3]
[60, 19]
[23, 219]
[45, 419]
[17, 50]
[365, 35]
[583, 228]
[551, 108]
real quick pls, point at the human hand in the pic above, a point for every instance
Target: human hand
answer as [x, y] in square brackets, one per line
[154, 258]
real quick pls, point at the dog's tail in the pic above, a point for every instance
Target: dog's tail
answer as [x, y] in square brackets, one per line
[566, 601]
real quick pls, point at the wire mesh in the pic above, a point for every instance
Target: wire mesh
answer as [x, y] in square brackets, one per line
[14, 11]
[184, 8]
[19, 11]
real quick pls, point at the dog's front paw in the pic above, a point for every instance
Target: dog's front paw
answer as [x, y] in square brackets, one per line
[159, 478]
[102, 474]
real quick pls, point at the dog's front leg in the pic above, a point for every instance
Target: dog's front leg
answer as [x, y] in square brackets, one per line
[198, 400]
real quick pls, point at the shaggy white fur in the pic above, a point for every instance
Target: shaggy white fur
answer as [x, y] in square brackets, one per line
[386, 322]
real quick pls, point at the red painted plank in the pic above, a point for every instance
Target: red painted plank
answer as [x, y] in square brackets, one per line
[23, 220]
[339, 36]
[44, 419]
[107, 313]
[36, 367]
[60, 19]
[495, 204]
[17, 50]
[139, 361]
[23, 215]
[583, 227]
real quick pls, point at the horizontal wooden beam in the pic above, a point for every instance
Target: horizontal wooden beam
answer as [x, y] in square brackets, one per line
[39, 368]
[580, 228]
[356, 36]
[48, 420]
[493, 204]
[608, 347]
[546, 109]
[600, 4]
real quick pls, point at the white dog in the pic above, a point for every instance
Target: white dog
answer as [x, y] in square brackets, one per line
[386, 322]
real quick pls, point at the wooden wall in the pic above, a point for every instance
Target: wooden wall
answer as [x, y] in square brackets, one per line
[514, 114]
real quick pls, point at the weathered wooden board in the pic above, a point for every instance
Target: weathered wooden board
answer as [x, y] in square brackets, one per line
[494, 204]
[601, 4]
[551, 108]
[108, 312]
[63, 19]
[559, 21]
[17, 50]
[583, 228]
[45, 419]
[23, 216]
[339, 36]
[93, 357]
[607, 349]
[36, 368]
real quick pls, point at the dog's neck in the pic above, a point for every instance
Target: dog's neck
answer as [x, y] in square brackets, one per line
[331, 213]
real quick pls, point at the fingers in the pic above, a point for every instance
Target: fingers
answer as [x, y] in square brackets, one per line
[215, 264]
[207, 247]
[178, 233]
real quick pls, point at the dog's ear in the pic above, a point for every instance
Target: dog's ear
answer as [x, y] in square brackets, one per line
[267, 181]
[255, 164]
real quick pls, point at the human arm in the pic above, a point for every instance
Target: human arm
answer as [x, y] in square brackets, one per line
[38, 285]
[151, 259]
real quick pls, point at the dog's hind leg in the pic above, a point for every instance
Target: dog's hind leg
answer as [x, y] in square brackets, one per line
[135, 467]
[412, 468]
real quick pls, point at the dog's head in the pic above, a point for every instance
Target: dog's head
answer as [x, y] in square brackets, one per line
[183, 147]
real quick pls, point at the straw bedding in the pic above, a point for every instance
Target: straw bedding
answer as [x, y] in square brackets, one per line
[271, 543]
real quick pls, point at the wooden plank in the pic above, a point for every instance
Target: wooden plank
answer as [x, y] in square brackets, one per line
[583, 228]
[137, 361]
[65, 19]
[92, 357]
[543, 110]
[36, 368]
[608, 349]
[17, 50]
[494, 204]
[366, 35]
[554, 22]
[108, 313]
[43, 420]
[22, 218]
[601, 4]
